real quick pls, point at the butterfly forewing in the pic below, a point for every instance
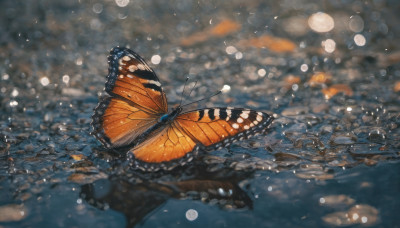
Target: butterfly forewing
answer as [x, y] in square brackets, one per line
[116, 123]
[136, 100]
[130, 77]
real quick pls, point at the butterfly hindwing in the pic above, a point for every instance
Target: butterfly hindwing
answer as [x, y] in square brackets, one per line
[166, 149]
[131, 78]
[218, 127]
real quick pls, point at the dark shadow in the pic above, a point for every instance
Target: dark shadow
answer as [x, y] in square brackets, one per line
[137, 194]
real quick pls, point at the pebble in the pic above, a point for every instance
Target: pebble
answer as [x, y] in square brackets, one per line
[358, 214]
[336, 200]
[294, 111]
[377, 135]
[343, 139]
[12, 213]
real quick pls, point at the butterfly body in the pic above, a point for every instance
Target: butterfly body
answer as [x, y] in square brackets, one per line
[135, 117]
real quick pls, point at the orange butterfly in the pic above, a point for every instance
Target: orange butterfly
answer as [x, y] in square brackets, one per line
[135, 117]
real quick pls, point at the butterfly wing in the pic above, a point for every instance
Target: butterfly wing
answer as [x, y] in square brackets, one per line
[131, 78]
[215, 128]
[116, 123]
[166, 149]
[136, 100]
[208, 128]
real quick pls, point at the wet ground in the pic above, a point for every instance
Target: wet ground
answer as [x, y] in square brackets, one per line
[329, 71]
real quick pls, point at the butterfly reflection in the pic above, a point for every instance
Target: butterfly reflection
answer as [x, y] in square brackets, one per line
[136, 197]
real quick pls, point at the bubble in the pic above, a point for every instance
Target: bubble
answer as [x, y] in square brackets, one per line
[45, 81]
[156, 59]
[79, 61]
[191, 214]
[226, 89]
[65, 79]
[321, 22]
[304, 67]
[13, 103]
[122, 3]
[329, 45]
[295, 87]
[239, 55]
[230, 50]
[364, 219]
[356, 23]
[14, 93]
[359, 40]
[261, 72]
[97, 8]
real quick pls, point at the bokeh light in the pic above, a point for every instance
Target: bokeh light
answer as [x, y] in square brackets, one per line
[356, 23]
[44, 81]
[122, 3]
[156, 59]
[321, 22]
[226, 88]
[192, 214]
[329, 45]
[230, 50]
[360, 40]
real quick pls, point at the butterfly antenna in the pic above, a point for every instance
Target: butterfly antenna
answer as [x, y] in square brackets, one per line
[183, 91]
[206, 98]
[195, 83]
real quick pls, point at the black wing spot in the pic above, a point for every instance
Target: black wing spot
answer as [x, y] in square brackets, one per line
[145, 74]
[152, 86]
[201, 115]
[235, 114]
[222, 113]
[211, 114]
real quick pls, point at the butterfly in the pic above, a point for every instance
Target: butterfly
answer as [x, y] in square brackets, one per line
[134, 117]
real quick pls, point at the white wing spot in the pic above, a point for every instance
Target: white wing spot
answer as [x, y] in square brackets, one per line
[235, 125]
[141, 67]
[126, 58]
[205, 112]
[154, 83]
[132, 68]
[259, 117]
[121, 76]
[121, 62]
[255, 122]
[239, 120]
[130, 76]
[245, 114]
[251, 125]
[216, 112]
[246, 127]
[228, 114]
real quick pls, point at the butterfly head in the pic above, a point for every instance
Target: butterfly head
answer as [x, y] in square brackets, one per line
[170, 116]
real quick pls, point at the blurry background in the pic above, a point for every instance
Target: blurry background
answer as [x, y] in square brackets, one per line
[328, 70]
